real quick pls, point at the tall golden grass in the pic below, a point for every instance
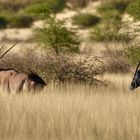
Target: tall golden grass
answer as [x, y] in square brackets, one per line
[73, 112]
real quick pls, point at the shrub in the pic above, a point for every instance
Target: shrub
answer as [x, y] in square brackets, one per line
[20, 21]
[79, 3]
[105, 7]
[85, 20]
[109, 13]
[43, 9]
[120, 5]
[39, 9]
[109, 29]
[113, 5]
[16, 5]
[57, 37]
[56, 5]
[62, 68]
[3, 22]
[108, 33]
[134, 9]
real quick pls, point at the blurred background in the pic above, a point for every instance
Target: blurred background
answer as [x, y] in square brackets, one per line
[106, 29]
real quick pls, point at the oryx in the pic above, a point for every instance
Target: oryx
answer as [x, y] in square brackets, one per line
[12, 81]
[136, 79]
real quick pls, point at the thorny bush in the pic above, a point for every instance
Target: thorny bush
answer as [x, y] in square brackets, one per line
[61, 68]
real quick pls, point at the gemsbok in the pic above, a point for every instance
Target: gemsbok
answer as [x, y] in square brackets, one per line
[136, 79]
[12, 81]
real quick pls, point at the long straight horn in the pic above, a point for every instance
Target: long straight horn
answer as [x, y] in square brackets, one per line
[2, 46]
[136, 70]
[7, 50]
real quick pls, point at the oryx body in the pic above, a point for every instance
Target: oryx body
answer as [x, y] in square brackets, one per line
[12, 81]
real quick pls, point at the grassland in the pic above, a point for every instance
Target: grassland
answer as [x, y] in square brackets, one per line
[73, 112]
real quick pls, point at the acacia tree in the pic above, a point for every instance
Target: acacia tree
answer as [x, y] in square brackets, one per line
[56, 36]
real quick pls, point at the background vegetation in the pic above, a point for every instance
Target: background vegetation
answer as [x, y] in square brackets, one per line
[134, 9]
[85, 20]
[111, 13]
[106, 26]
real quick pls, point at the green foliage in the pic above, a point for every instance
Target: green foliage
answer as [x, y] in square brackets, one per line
[108, 33]
[105, 7]
[20, 21]
[39, 9]
[3, 22]
[85, 20]
[109, 29]
[44, 8]
[120, 5]
[134, 9]
[113, 5]
[56, 36]
[108, 12]
[133, 54]
[17, 5]
[22, 13]
[79, 3]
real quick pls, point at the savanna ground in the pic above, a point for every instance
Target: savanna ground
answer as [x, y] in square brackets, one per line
[69, 111]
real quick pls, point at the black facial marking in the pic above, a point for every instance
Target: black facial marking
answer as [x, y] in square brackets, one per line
[37, 79]
[136, 81]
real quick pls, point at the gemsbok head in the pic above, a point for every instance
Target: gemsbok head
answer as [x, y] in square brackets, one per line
[12, 81]
[136, 79]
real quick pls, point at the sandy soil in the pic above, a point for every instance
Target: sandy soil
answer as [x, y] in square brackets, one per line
[16, 34]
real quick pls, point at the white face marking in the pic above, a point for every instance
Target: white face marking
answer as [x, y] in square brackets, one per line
[131, 88]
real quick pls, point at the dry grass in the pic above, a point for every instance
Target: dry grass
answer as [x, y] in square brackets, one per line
[73, 112]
